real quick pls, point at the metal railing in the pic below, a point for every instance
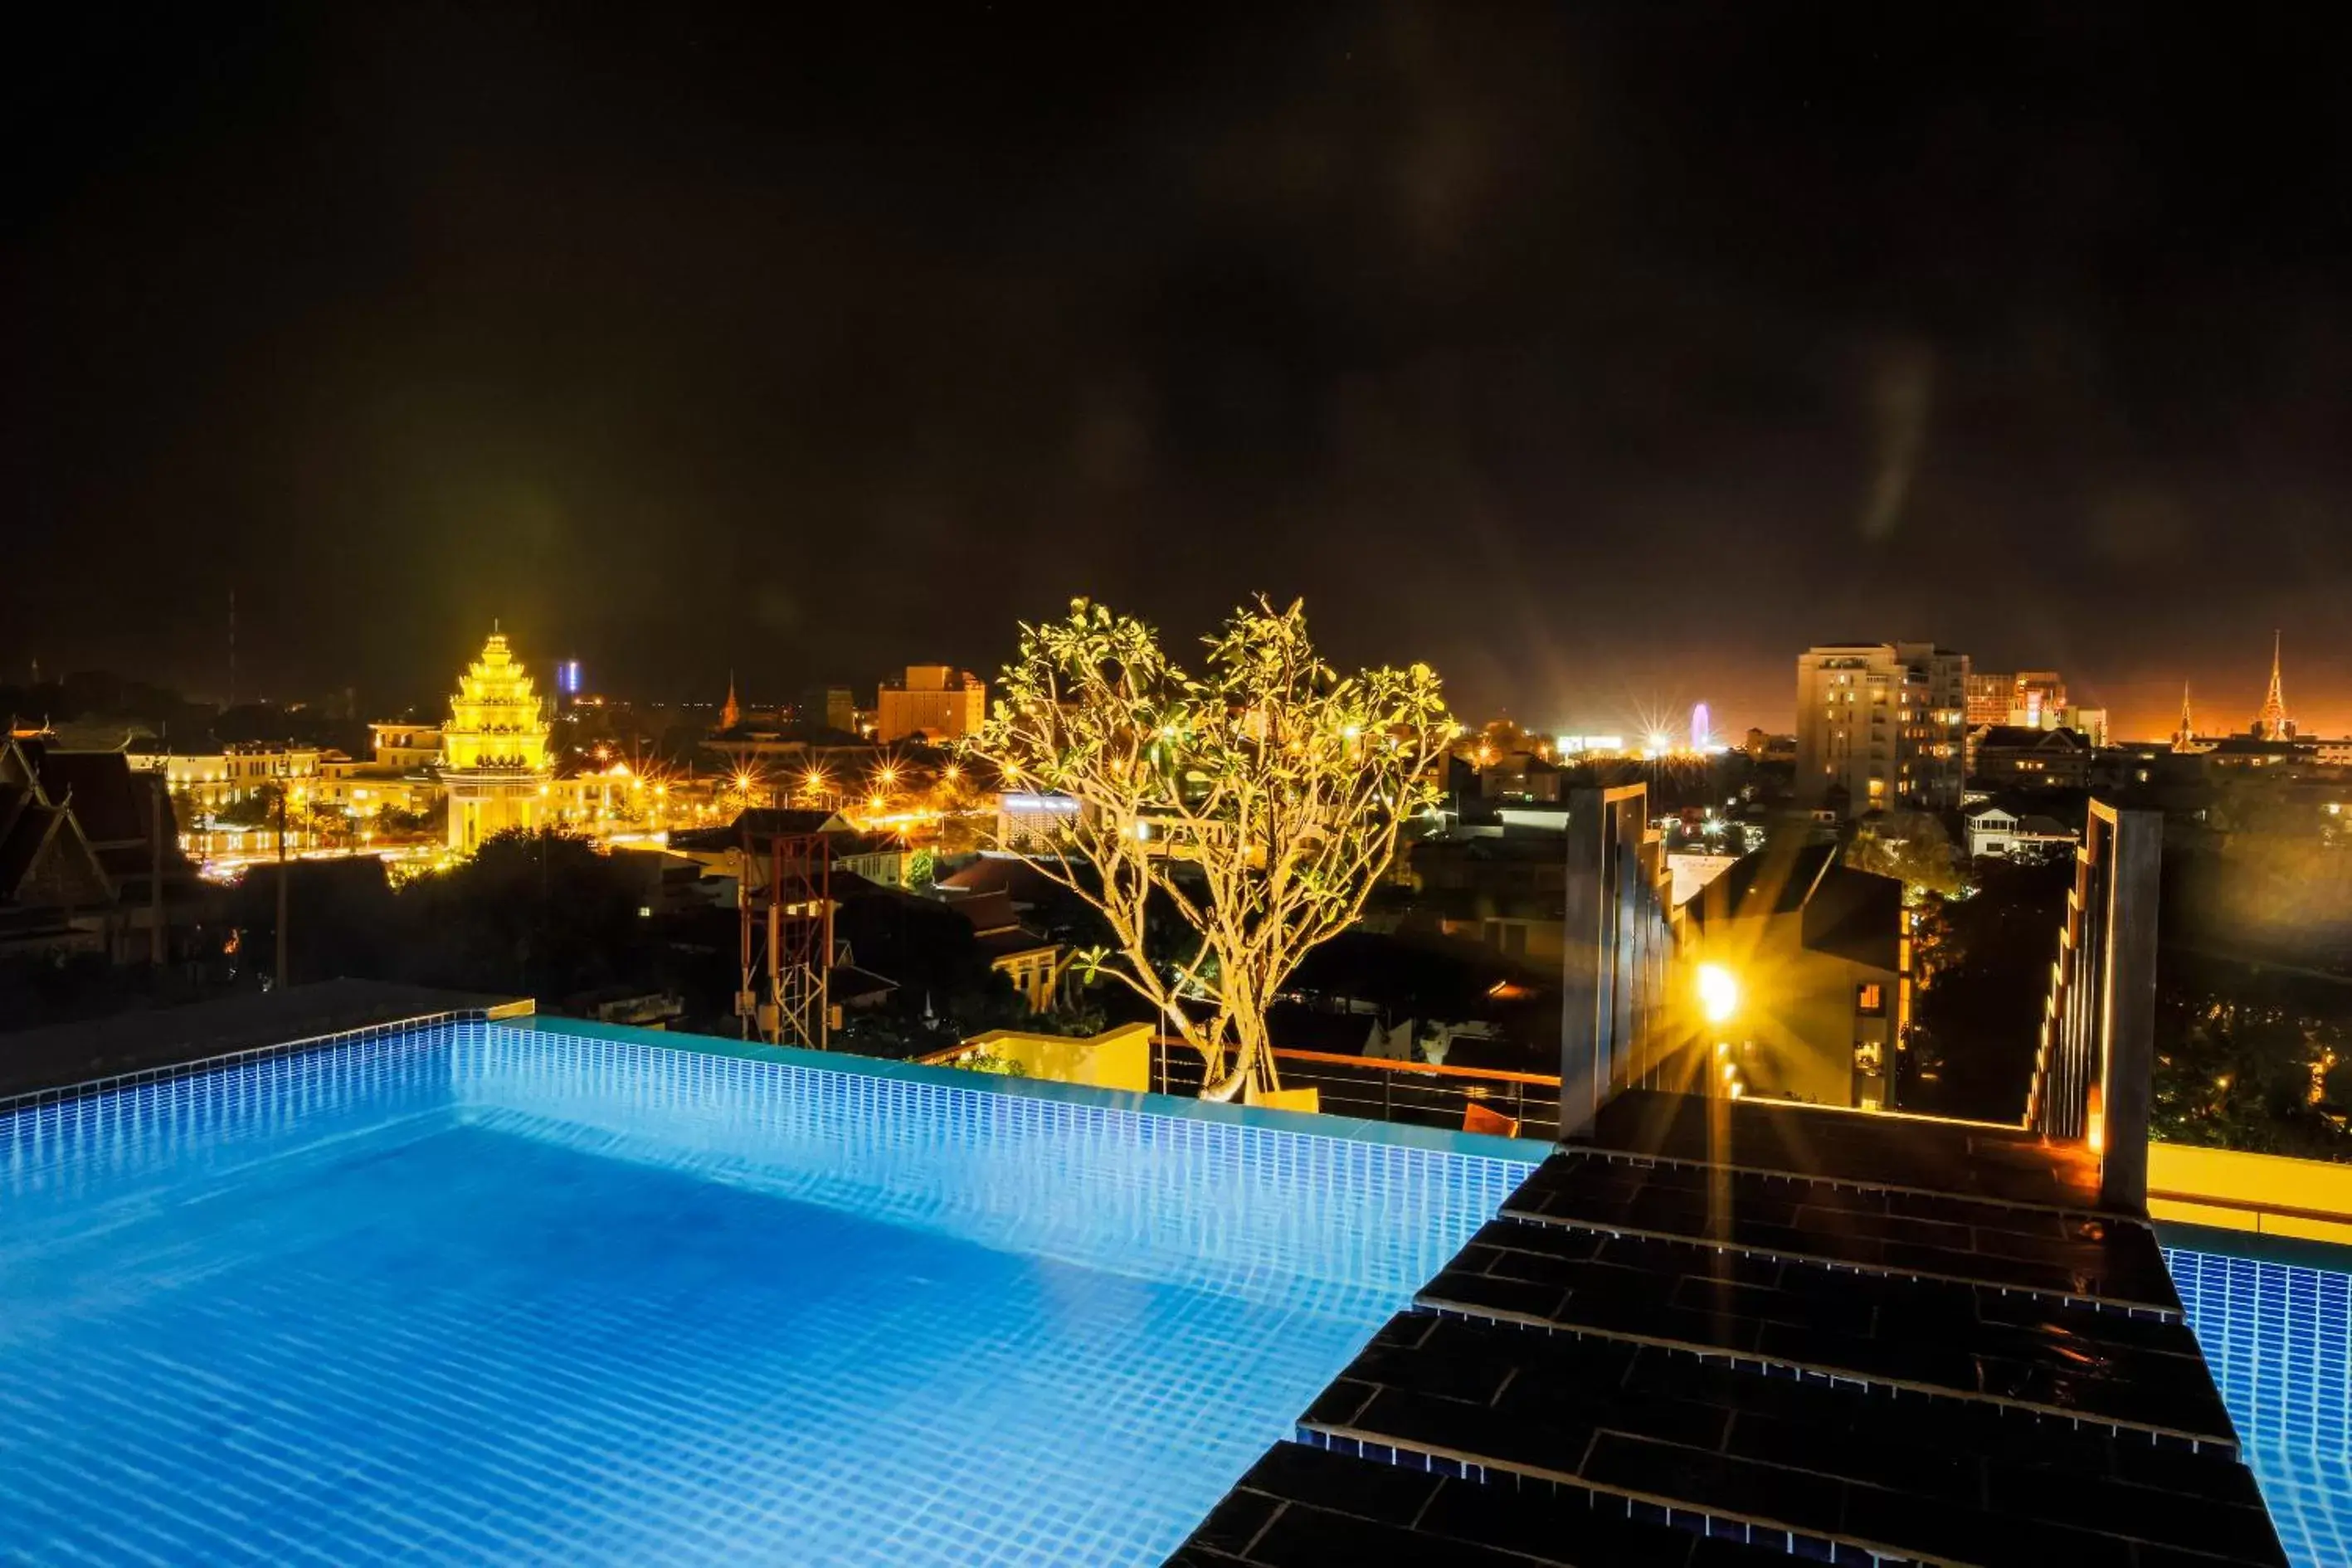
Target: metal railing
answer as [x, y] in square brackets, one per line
[1377, 1088]
[2091, 1068]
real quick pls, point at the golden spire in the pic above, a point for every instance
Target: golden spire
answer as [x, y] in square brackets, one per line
[2273, 723]
[496, 720]
[731, 713]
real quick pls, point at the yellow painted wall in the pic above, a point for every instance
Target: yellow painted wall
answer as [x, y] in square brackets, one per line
[2229, 1191]
[1115, 1059]
[1794, 1027]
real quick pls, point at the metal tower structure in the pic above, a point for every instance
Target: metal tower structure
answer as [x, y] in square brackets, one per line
[794, 928]
[799, 938]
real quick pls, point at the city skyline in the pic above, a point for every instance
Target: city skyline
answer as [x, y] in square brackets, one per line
[1601, 360]
[2136, 716]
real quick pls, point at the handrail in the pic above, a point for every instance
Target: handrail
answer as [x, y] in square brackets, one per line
[1392, 1064]
[1383, 1088]
[1379, 1063]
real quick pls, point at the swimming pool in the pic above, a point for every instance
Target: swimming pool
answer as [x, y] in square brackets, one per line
[2278, 1337]
[488, 1292]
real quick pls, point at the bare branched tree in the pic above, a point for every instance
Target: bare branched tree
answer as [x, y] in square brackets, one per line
[1261, 799]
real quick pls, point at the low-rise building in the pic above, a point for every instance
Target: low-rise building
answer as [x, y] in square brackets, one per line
[405, 746]
[2249, 753]
[1520, 776]
[212, 780]
[90, 857]
[364, 789]
[1027, 821]
[1996, 830]
[1817, 965]
[1033, 963]
[1504, 889]
[2013, 755]
[54, 897]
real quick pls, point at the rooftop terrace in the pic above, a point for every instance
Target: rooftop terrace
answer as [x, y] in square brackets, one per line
[1713, 1331]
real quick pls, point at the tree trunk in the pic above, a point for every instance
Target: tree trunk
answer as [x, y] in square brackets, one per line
[1252, 1062]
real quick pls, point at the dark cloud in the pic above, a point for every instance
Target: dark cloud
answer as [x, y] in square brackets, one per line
[1603, 356]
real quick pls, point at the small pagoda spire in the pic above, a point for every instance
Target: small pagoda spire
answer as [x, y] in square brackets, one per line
[2273, 723]
[2187, 731]
[731, 713]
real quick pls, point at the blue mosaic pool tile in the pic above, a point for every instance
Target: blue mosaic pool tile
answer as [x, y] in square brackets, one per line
[2278, 1337]
[477, 1293]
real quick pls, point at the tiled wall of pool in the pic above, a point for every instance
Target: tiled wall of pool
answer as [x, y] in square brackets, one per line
[1230, 1208]
[167, 1132]
[2279, 1339]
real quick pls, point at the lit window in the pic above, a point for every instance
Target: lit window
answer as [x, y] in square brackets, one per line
[1870, 999]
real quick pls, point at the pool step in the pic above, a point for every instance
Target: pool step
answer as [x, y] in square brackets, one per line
[1804, 1465]
[2066, 1254]
[1302, 1507]
[1797, 1317]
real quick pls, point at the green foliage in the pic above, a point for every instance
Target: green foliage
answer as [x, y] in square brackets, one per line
[981, 1058]
[256, 808]
[391, 821]
[540, 913]
[2251, 1058]
[1911, 846]
[1259, 799]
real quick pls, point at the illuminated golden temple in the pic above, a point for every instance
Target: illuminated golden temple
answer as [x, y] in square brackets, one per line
[494, 749]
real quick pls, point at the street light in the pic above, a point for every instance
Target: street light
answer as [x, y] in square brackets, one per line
[1718, 992]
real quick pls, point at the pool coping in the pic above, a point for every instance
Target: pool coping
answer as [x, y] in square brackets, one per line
[1303, 1123]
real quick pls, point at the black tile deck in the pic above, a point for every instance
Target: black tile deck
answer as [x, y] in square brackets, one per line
[1909, 1153]
[2072, 1254]
[1848, 1340]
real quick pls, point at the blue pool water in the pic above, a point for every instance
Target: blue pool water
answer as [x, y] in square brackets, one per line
[2279, 1339]
[495, 1293]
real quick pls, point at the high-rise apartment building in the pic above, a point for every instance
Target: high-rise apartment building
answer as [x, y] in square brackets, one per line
[1990, 696]
[1881, 724]
[936, 701]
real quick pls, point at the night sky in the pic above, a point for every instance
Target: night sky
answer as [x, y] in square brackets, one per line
[1601, 355]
